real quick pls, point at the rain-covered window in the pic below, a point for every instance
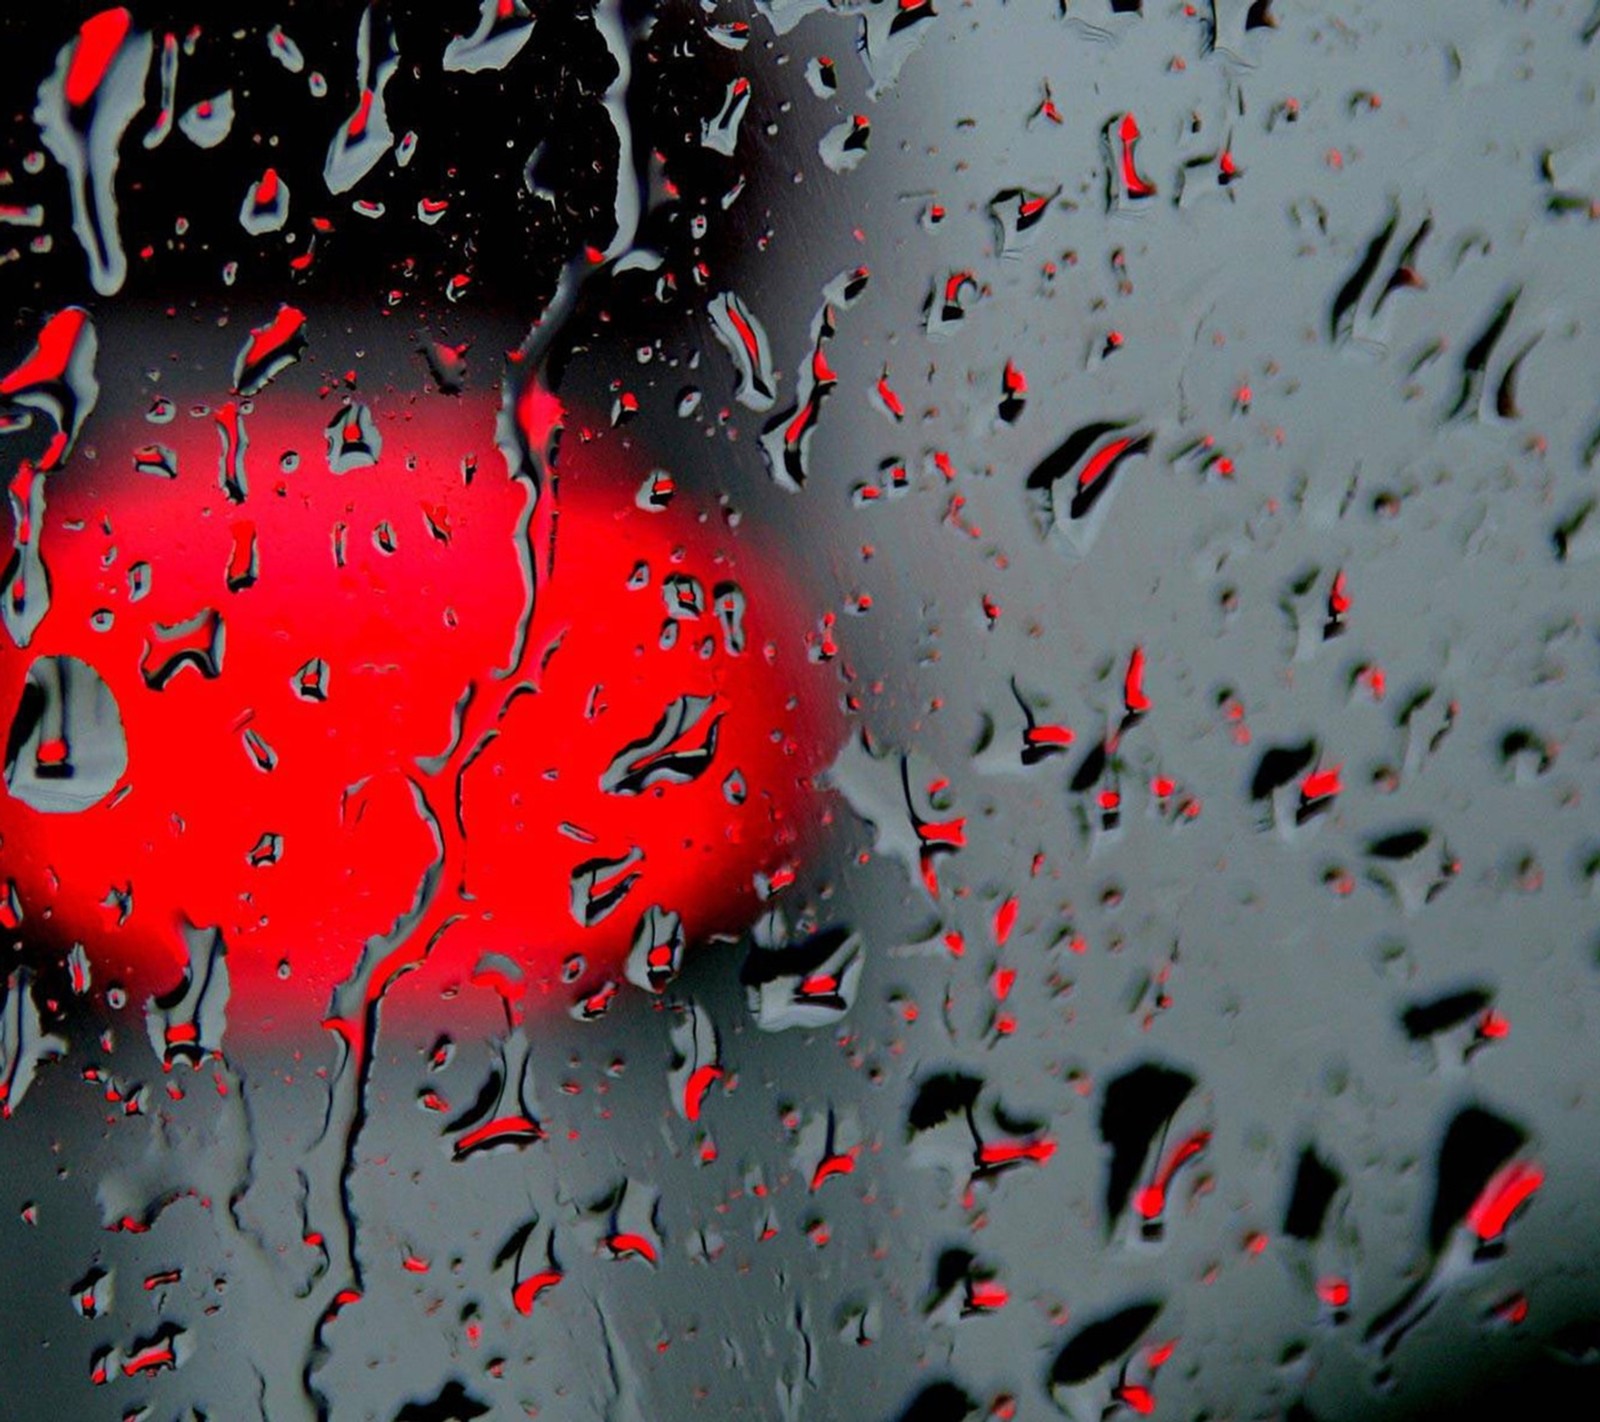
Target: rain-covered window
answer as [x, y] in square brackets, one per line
[799, 709]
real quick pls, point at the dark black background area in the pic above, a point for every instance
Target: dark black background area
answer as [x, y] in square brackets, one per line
[477, 134]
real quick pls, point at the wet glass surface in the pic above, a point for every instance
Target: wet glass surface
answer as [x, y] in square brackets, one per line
[801, 709]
